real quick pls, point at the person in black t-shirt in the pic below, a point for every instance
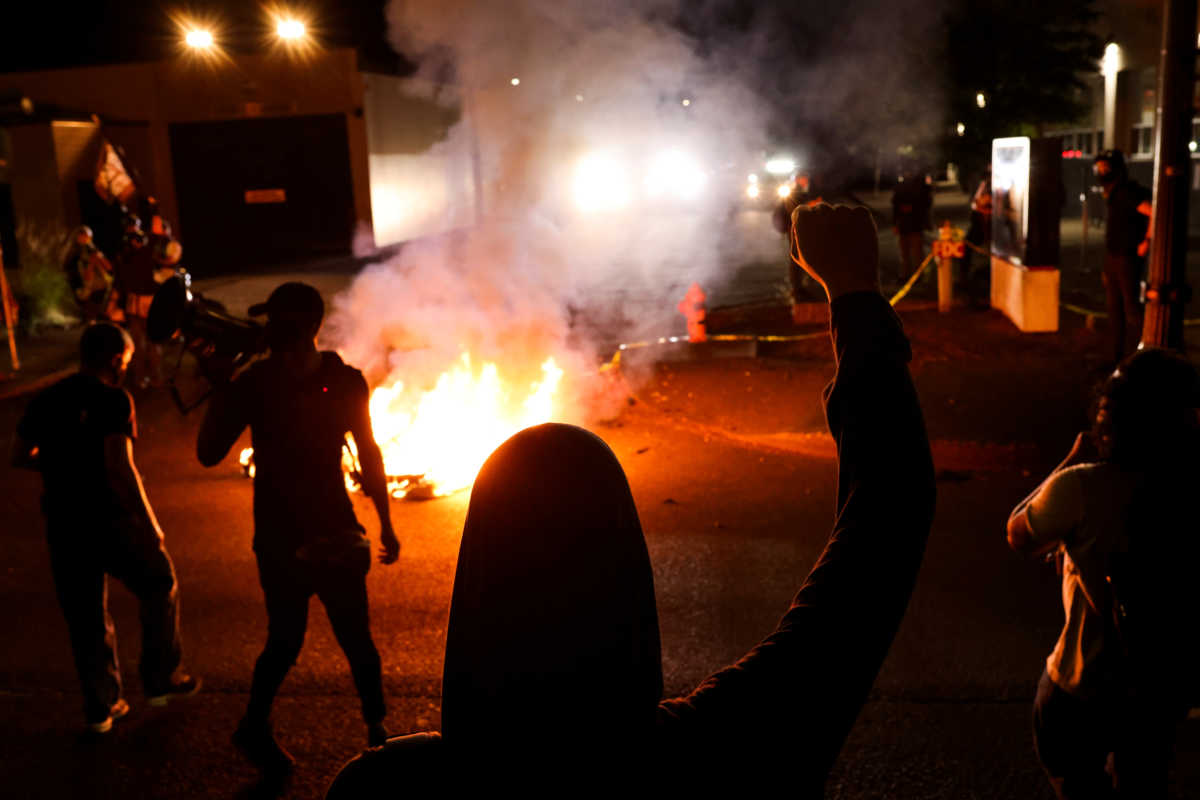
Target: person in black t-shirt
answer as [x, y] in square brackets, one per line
[299, 404]
[78, 433]
[1126, 242]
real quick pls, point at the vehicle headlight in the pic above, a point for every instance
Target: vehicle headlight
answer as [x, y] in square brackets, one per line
[675, 174]
[601, 183]
[752, 191]
[781, 165]
[784, 191]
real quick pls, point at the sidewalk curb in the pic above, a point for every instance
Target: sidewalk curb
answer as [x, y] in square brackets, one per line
[37, 384]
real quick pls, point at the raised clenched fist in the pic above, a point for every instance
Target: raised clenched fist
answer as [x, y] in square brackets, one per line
[838, 246]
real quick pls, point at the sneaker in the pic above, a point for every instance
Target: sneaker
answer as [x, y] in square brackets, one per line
[377, 735]
[185, 686]
[258, 744]
[118, 710]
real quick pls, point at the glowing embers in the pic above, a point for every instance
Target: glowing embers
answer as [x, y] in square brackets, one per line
[438, 443]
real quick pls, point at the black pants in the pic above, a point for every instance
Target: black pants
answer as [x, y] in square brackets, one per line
[1122, 277]
[287, 585]
[1074, 738]
[81, 559]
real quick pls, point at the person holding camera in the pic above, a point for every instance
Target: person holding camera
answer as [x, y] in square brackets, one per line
[299, 404]
[1116, 516]
[79, 435]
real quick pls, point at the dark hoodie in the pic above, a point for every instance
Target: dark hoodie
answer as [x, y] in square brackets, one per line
[552, 668]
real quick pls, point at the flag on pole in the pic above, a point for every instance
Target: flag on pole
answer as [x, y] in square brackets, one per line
[112, 180]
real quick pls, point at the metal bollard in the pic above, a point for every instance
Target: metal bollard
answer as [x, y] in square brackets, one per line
[948, 247]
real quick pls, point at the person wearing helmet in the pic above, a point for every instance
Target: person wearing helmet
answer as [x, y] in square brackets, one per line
[1126, 243]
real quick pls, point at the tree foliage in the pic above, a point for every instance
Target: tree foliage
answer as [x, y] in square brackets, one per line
[1030, 58]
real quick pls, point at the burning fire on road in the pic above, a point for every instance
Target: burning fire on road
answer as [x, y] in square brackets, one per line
[435, 441]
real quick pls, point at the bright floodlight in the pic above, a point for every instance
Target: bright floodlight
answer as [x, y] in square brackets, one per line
[676, 173]
[600, 184]
[199, 39]
[289, 28]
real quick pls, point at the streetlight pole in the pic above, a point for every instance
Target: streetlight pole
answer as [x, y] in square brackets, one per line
[1165, 288]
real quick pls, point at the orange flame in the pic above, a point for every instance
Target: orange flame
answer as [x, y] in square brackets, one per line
[437, 445]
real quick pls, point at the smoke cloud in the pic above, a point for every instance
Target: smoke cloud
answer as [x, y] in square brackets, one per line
[537, 268]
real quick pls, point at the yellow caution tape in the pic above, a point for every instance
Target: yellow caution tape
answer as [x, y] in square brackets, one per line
[912, 280]
[1087, 312]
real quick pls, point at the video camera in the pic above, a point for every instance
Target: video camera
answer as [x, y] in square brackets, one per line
[220, 342]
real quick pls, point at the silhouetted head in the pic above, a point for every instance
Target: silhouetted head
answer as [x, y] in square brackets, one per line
[1109, 167]
[1146, 416]
[553, 629]
[294, 313]
[105, 351]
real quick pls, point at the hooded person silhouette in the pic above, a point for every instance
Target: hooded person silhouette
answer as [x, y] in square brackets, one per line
[553, 674]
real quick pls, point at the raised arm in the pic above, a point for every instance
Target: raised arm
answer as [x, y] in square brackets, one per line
[801, 688]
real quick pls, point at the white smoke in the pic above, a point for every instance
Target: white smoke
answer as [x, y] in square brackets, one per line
[533, 275]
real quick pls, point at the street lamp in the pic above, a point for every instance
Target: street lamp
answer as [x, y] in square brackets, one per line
[198, 39]
[980, 100]
[290, 29]
[961, 129]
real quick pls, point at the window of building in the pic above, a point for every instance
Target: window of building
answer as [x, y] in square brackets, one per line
[1143, 141]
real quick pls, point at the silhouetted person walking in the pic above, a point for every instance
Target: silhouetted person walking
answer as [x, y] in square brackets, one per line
[552, 663]
[79, 434]
[912, 209]
[1126, 242]
[1119, 514]
[299, 405]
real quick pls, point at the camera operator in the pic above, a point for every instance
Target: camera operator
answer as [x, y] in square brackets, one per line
[299, 403]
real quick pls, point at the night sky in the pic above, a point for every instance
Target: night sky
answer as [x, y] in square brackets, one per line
[45, 35]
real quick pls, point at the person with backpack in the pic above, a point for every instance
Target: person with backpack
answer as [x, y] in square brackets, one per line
[1118, 515]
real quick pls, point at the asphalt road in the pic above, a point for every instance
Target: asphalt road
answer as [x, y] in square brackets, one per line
[732, 477]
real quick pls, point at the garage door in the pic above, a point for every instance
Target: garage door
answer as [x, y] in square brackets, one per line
[260, 192]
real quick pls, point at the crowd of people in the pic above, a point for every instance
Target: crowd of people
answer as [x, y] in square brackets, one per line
[120, 289]
[553, 668]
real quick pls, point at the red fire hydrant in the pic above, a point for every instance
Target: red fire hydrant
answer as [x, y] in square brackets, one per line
[692, 307]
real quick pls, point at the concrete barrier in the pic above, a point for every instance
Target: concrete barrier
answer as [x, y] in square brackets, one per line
[1027, 295]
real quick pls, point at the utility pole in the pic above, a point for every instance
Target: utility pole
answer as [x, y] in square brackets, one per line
[1165, 289]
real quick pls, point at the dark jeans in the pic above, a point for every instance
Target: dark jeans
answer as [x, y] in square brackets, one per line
[287, 585]
[1074, 737]
[1122, 276]
[81, 559]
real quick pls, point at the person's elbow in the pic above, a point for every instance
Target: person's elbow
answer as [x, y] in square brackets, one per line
[209, 454]
[1020, 538]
